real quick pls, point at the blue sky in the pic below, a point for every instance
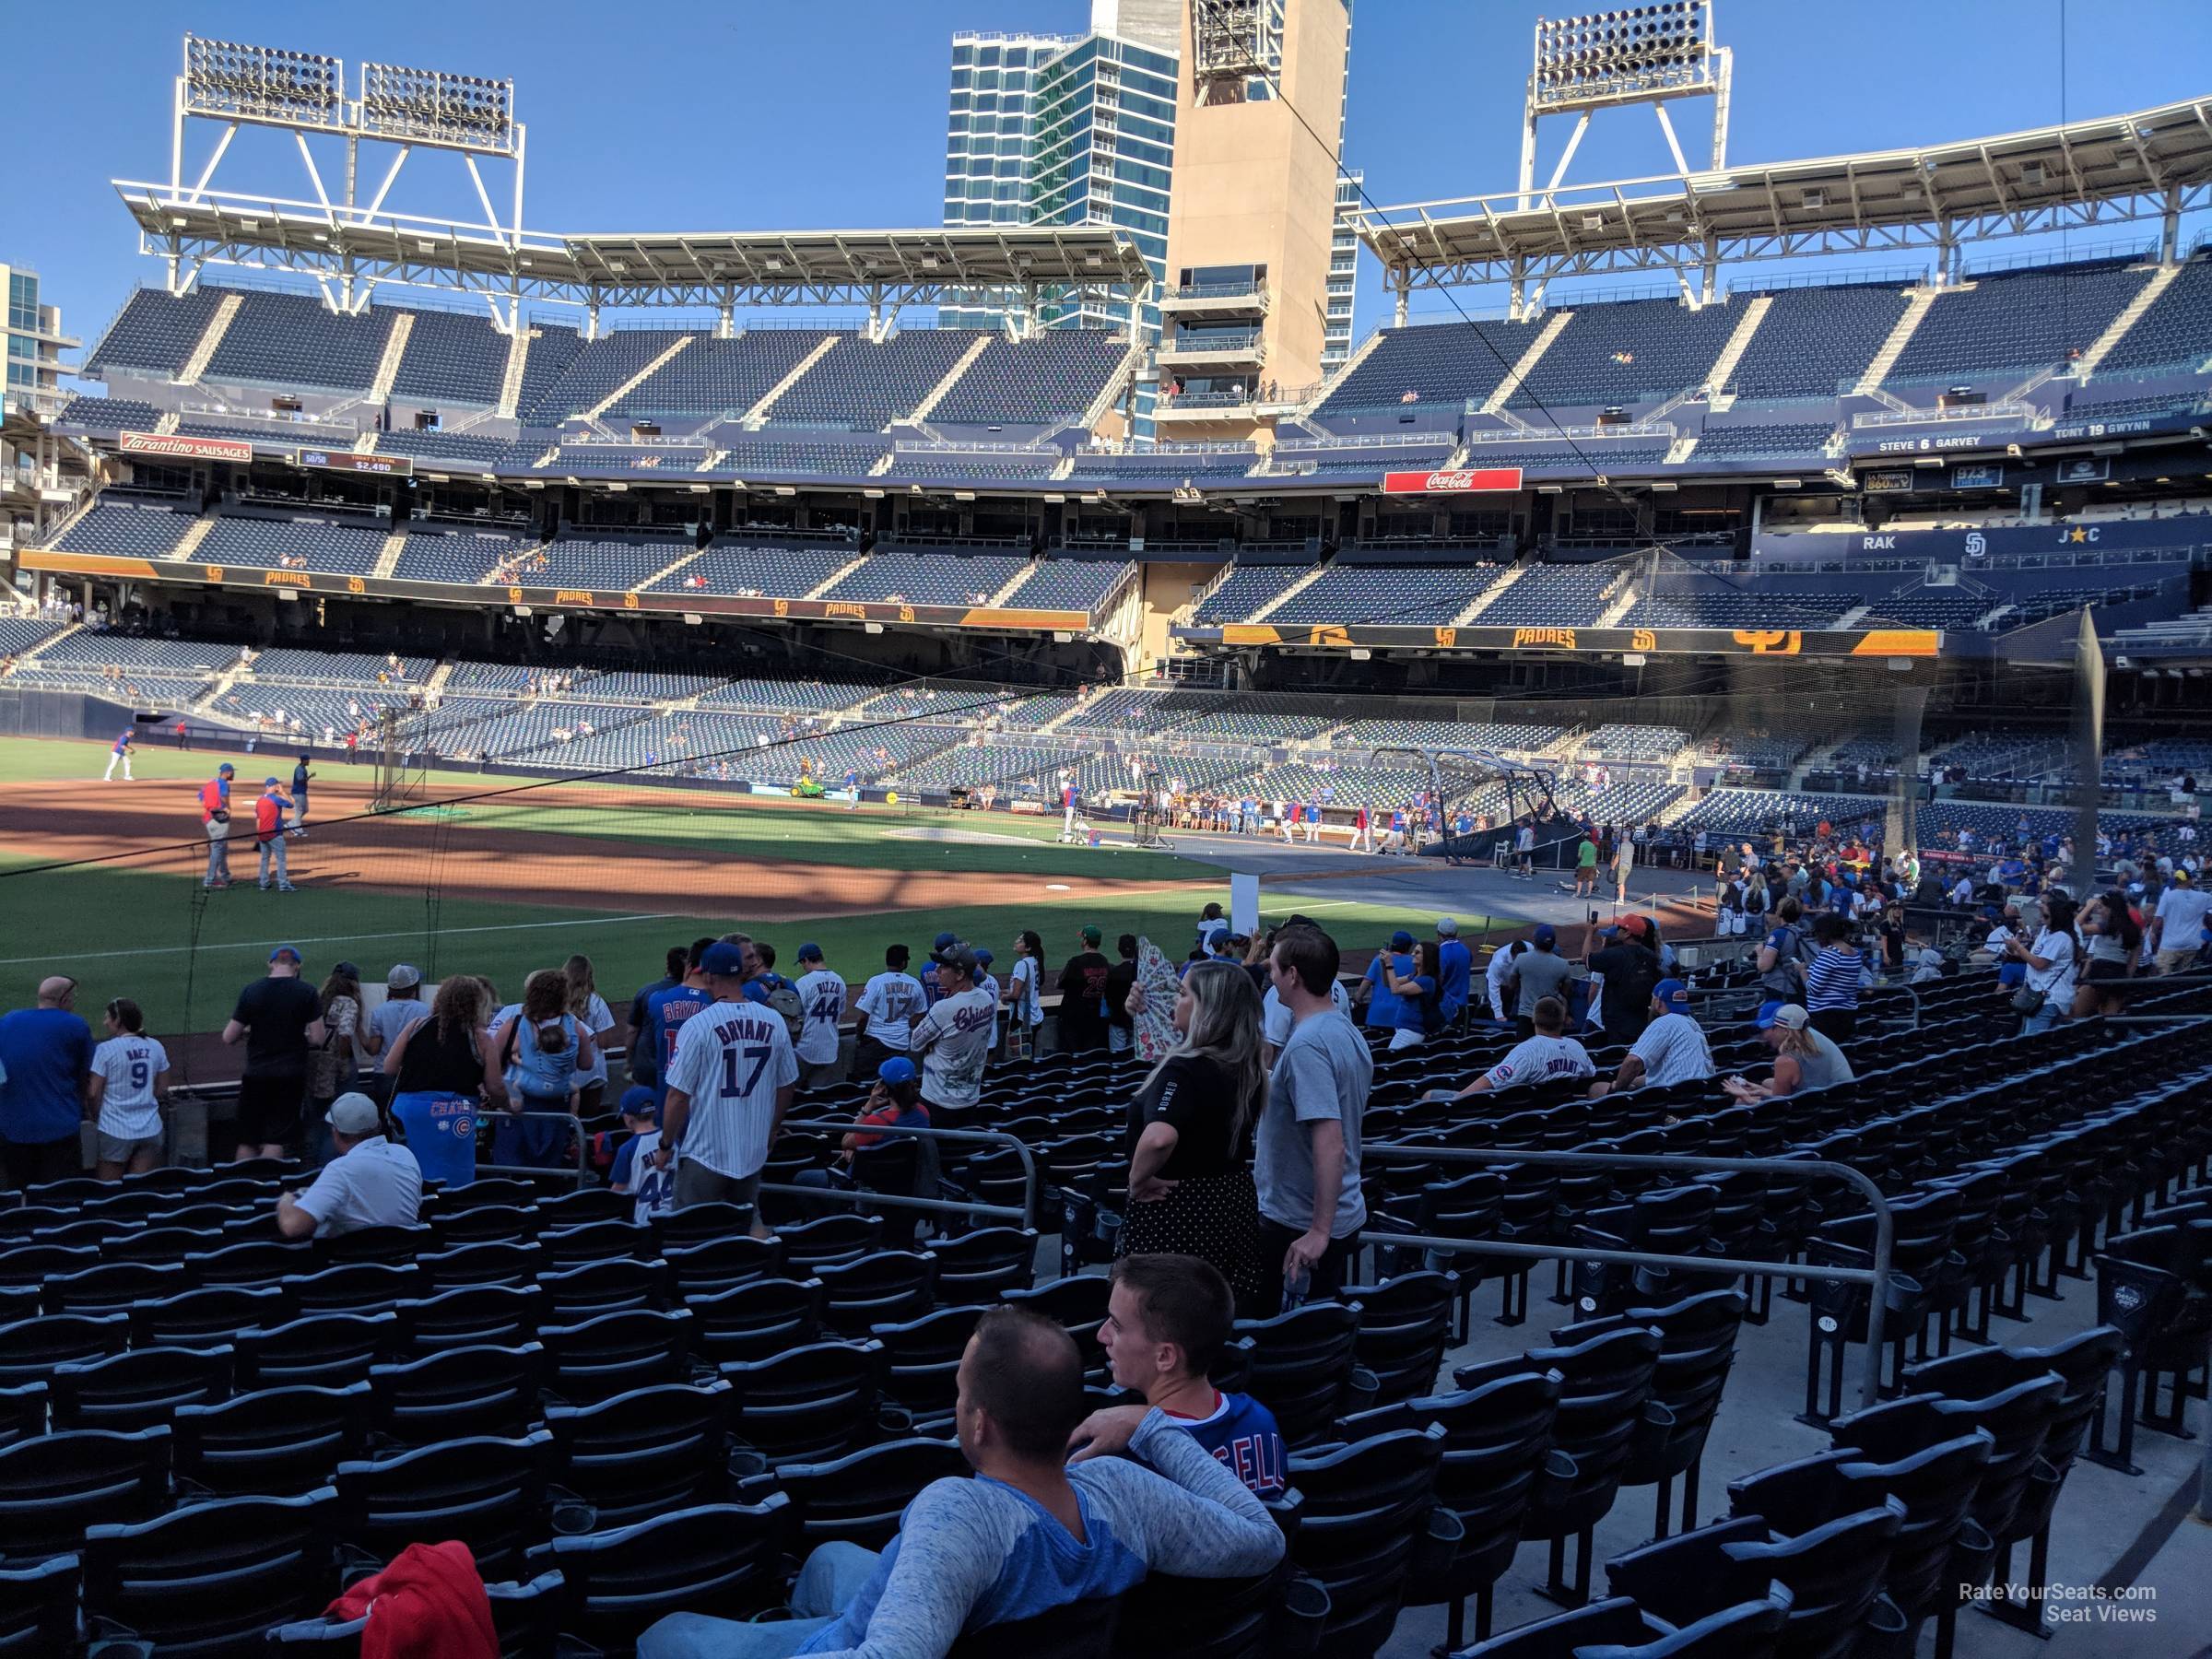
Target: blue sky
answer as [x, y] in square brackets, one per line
[758, 115]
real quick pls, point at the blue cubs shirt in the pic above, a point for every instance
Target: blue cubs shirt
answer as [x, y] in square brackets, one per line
[1241, 1434]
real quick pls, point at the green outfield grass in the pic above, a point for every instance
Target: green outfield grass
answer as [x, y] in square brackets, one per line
[153, 936]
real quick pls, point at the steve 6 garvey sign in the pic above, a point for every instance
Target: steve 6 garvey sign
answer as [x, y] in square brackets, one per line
[1467, 481]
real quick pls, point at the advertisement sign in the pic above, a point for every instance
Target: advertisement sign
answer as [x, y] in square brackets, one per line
[174, 447]
[1467, 481]
[396, 467]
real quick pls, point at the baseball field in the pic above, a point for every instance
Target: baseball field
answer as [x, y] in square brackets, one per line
[101, 881]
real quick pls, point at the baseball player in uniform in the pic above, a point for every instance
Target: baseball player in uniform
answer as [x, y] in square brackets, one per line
[122, 751]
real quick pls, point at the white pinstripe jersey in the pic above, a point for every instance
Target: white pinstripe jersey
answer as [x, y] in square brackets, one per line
[731, 1059]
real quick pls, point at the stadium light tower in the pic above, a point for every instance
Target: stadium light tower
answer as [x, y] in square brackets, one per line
[305, 93]
[1650, 55]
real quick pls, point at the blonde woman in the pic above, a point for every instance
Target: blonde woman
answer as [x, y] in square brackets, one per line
[1190, 1132]
[591, 1012]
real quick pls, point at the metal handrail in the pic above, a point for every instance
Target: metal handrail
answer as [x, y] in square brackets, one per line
[1027, 1214]
[1875, 1278]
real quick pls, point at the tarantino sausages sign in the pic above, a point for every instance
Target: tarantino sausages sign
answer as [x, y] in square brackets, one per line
[176, 448]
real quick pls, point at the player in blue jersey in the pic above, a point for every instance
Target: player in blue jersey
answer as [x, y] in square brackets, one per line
[1168, 1318]
[122, 751]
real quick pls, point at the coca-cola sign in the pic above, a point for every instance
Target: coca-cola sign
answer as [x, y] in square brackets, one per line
[179, 448]
[1467, 481]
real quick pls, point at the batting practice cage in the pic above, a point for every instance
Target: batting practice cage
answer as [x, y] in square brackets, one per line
[494, 819]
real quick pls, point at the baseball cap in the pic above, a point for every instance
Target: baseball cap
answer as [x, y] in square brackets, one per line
[1091, 935]
[895, 1070]
[944, 939]
[348, 968]
[269, 782]
[227, 768]
[403, 977]
[282, 951]
[1401, 940]
[984, 958]
[637, 1102]
[1447, 927]
[1546, 935]
[1788, 1016]
[354, 1114]
[810, 953]
[2181, 877]
[955, 955]
[1672, 994]
[723, 958]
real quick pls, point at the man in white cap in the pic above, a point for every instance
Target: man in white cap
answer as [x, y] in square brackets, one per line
[370, 1183]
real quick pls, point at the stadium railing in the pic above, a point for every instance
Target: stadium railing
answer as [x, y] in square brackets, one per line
[1875, 1278]
[1024, 1216]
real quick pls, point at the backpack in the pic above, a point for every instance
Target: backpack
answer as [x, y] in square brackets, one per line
[1786, 978]
[783, 998]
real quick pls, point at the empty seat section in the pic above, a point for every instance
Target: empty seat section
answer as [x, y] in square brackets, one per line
[281, 433]
[2015, 323]
[980, 466]
[1434, 363]
[1244, 591]
[1070, 585]
[1366, 461]
[1800, 438]
[592, 374]
[450, 358]
[587, 562]
[452, 554]
[626, 457]
[1395, 595]
[864, 384]
[156, 331]
[764, 569]
[479, 453]
[1630, 351]
[552, 349]
[1553, 597]
[765, 457]
[1052, 378]
[721, 377]
[323, 543]
[1588, 456]
[296, 341]
[127, 530]
[928, 578]
[1719, 606]
[2176, 329]
[110, 415]
[1165, 468]
[1814, 340]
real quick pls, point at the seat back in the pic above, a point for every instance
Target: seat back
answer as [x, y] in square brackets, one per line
[859, 1497]
[645, 1452]
[807, 1404]
[1938, 1488]
[581, 1293]
[30, 1349]
[713, 1266]
[616, 1353]
[922, 1361]
[1618, 1623]
[573, 1244]
[138, 1389]
[278, 1442]
[885, 1287]
[716, 1558]
[354, 1288]
[501, 1315]
[327, 1350]
[832, 1242]
[38, 1608]
[202, 1318]
[54, 1486]
[755, 1320]
[1404, 1326]
[488, 1492]
[584, 1206]
[985, 1264]
[210, 1579]
[463, 1391]
[1750, 1629]
[1834, 1572]
[1079, 1630]
[112, 1287]
[1366, 1508]
[1301, 1364]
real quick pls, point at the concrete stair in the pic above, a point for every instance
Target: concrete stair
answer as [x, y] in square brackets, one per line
[843, 570]
[1489, 595]
[518, 360]
[640, 378]
[387, 556]
[1680, 450]
[1619, 606]
[667, 570]
[2100, 348]
[936, 392]
[1513, 383]
[1732, 352]
[753, 417]
[211, 336]
[198, 530]
[1917, 308]
[1359, 356]
[396, 347]
[1288, 593]
[1016, 580]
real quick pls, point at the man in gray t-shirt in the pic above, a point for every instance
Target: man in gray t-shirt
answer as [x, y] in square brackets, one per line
[1306, 1160]
[1539, 973]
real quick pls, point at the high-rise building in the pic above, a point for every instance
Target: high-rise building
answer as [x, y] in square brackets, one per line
[35, 341]
[1067, 130]
[1343, 274]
